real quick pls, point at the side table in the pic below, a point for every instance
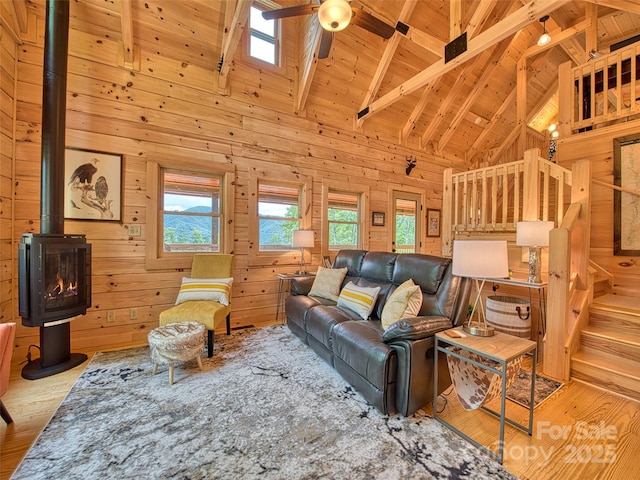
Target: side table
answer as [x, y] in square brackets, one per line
[501, 348]
[283, 288]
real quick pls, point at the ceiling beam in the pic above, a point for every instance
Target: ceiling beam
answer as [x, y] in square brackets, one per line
[631, 6]
[415, 114]
[231, 39]
[498, 32]
[311, 34]
[479, 17]
[558, 36]
[387, 56]
[455, 19]
[126, 22]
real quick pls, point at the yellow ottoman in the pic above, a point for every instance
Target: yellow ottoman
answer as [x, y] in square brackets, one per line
[176, 342]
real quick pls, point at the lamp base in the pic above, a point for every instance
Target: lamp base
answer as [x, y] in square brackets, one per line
[479, 330]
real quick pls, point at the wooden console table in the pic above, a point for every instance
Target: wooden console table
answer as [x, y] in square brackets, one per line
[501, 348]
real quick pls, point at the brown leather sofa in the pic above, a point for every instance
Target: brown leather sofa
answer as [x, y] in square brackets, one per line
[392, 369]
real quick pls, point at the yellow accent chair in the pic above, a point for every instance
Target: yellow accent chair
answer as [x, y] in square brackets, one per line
[206, 312]
[7, 334]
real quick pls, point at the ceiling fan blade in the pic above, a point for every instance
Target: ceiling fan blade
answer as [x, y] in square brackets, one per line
[290, 11]
[369, 22]
[325, 44]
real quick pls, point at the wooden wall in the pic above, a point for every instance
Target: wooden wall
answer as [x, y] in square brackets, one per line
[166, 110]
[597, 146]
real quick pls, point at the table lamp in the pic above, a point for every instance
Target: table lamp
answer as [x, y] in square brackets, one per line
[534, 235]
[480, 259]
[302, 239]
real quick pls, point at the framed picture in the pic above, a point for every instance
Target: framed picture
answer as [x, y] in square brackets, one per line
[377, 219]
[326, 261]
[433, 223]
[93, 185]
[626, 207]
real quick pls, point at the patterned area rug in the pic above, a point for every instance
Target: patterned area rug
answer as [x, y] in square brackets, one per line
[265, 407]
[520, 389]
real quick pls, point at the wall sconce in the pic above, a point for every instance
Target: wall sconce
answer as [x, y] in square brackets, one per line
[411, 163]
[303, 239]
[334, 15]
[534, 235]
[480, 259]
[545, 37]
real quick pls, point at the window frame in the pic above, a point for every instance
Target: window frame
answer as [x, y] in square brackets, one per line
[362, 191]
[278, 66]
[276, 177]
[156, 258]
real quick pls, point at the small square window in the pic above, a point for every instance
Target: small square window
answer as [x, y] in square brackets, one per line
[263, 39]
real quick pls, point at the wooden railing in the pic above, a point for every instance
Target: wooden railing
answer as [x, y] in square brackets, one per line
[605, 89]
[494, 199]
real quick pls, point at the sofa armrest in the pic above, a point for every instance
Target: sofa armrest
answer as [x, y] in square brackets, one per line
[301, 285]
[416, 328]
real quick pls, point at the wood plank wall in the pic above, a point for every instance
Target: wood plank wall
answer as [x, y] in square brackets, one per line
[597, 146]
[169, 109]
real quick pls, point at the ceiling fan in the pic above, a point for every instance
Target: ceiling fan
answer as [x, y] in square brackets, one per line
[334, 16]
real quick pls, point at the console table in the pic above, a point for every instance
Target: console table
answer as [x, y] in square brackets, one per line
[283, 288]
[501, 348]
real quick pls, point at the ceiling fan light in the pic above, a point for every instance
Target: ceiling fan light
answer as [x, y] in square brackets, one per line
[334, 15]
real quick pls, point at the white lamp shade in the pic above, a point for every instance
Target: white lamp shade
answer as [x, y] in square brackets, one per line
[533, 234]
[334, 15]
[544, 39]
[480, 258]
[303, 238]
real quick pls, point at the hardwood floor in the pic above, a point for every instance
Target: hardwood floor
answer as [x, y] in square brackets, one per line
[580, 432]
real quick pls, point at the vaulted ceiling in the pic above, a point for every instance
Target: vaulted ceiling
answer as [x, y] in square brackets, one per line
[401, 89]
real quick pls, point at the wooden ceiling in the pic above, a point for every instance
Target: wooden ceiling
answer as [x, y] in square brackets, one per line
[464, 110]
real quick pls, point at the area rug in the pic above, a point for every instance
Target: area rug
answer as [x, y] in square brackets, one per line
[265, 406]
[520, 389]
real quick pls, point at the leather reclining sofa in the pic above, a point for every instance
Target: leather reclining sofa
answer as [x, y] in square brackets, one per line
[392, 368]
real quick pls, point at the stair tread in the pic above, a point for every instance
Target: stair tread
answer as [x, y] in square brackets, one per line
[622, 303]
[617, 335]
[628, 368]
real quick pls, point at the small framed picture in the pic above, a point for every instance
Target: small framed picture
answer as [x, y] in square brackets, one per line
[377, 219]
[93, 185]
[433, 223]
[326, 261]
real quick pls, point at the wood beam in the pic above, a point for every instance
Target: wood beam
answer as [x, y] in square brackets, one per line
[521, 104]
[308, 61]
[126, 22]
[387, 56]
[455, 19]
[232, 35]
[591, 42]
[479, 17]
[490, 37]
[631, 6]
[426, 41]
[574, 50]
[415, 114]
[558, 36]
[487, 71]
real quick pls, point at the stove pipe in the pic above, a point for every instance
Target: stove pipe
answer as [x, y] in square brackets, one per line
[54, 100]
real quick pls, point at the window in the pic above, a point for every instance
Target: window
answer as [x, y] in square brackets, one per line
[189, 209]
[263, 39]
[278, 216]
[191, 212]
[343, 215]
[344, 223]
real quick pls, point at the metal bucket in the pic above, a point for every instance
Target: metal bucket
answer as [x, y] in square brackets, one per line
[510, 315]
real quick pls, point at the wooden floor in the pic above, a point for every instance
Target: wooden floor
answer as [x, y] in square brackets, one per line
[580, 432]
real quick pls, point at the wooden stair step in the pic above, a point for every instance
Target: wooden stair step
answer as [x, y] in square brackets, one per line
[615, 312]
[606, 371]
[619, 343]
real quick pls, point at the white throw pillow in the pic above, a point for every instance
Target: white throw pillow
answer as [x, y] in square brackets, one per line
[328, 282]
[360, 300]
[405, 301]
[214, 289]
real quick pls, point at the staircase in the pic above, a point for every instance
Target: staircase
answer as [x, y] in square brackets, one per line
[609, 353]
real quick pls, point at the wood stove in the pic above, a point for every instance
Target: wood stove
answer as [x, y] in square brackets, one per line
[54, 277]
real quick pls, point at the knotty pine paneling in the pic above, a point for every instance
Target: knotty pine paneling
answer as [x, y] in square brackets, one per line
[169, 110]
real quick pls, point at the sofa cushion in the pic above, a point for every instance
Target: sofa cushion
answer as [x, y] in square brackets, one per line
[327, 283]
[212, 289]
[404, 301]
[321, 319]
[360, 300]
[425, 270]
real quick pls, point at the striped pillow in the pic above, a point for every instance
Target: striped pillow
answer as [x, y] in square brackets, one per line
[360, 300]
[213, 289]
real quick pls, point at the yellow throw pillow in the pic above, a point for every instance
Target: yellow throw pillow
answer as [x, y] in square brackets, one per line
[360, 300]
[328, 282]
[214, 289]
[405, 301]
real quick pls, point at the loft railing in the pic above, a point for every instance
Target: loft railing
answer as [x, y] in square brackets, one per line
[493, 199]
[605, 89]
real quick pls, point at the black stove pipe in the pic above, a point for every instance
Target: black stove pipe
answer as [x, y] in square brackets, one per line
[54, 105]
